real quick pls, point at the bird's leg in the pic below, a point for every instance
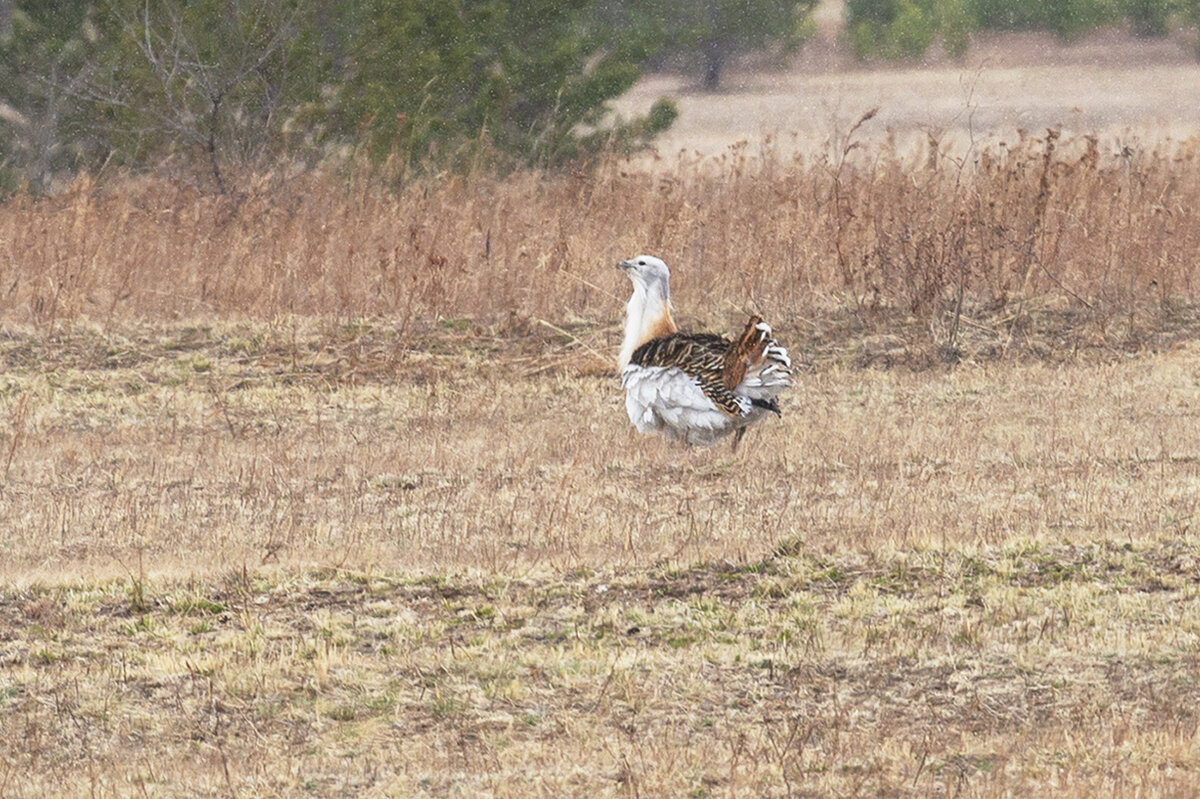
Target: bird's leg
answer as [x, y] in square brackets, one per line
[737, 437]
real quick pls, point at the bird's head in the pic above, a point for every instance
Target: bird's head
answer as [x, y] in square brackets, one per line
[646, 271]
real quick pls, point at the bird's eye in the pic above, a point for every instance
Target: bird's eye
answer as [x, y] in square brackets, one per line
[641, 263]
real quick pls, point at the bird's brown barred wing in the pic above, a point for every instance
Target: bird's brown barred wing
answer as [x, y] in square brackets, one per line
[701, 356]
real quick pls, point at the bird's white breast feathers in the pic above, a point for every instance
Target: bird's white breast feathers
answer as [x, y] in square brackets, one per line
[667, 400]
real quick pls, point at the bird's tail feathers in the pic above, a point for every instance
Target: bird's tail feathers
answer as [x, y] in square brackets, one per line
[757, 361]
[747, 350]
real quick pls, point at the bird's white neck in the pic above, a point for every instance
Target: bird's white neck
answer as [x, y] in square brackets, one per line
[647, 316]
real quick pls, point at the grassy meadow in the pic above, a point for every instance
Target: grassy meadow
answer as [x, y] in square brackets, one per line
[326, 489]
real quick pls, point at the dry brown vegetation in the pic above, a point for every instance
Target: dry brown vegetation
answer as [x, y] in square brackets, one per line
[327, 490]
[969, 252]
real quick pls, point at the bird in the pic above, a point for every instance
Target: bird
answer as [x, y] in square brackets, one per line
[696, 388]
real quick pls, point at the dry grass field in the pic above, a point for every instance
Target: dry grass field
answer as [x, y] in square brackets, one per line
[327, 490]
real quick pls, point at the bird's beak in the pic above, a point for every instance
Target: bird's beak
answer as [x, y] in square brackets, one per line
[626, 265]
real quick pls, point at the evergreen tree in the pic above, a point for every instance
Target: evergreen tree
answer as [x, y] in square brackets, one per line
[523, 77]
[210, 88]
[46, 57]
[717, 29]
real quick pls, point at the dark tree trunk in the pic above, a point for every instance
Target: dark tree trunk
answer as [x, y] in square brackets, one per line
[714, 46]
[714, 62]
